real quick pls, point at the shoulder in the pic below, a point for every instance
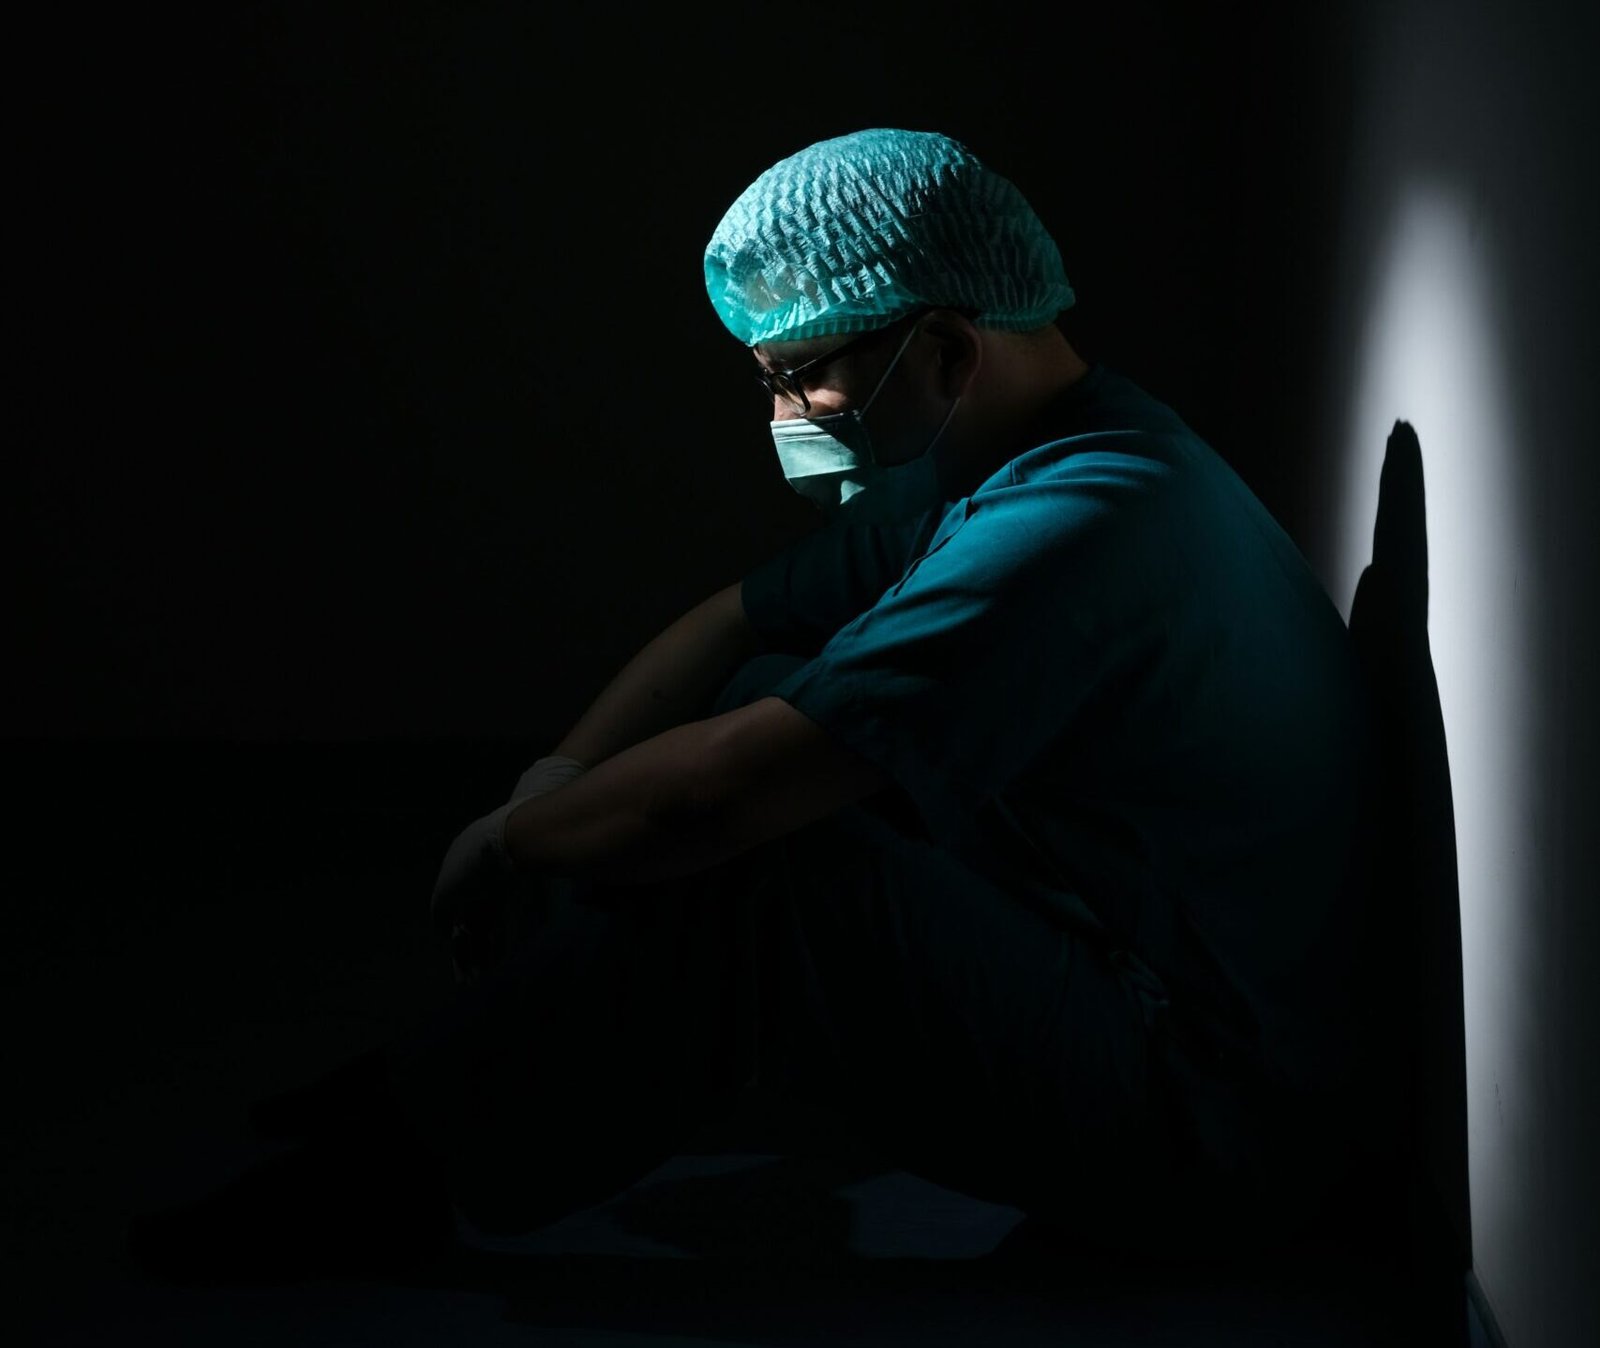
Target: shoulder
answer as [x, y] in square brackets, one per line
[1104, 434]
[1066, 484]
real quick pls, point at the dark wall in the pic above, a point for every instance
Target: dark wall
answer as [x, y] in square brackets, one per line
[369, 393]
[372, 391]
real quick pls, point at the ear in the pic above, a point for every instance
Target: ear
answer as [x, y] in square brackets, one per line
[958, 348]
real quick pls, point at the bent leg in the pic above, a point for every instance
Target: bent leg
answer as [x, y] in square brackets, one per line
[959, 1034]
[949, 1027]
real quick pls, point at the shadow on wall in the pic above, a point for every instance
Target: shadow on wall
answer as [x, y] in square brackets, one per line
[1418, 895]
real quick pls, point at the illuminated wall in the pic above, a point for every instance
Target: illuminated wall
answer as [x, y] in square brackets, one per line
[1467, 308]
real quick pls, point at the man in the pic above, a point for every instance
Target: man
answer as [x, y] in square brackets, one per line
[1016, 814]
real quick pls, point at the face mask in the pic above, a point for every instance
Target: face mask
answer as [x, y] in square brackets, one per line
[829, 460]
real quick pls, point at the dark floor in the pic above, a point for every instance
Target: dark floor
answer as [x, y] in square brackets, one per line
[191, 934]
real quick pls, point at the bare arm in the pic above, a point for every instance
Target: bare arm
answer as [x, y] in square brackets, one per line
[691, 797]
[670, 681]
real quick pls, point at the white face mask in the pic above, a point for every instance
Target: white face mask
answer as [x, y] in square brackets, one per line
[829, 460]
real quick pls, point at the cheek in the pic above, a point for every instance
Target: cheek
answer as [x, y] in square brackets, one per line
[826, 401]
[907, 412]
[908, 424]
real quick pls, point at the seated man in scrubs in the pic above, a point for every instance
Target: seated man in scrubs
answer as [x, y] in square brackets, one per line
[1015, 817]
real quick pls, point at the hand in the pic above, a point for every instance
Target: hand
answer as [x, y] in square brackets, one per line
[468, 906]
[475, 884]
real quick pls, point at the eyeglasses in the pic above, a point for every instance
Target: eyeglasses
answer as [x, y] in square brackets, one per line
[789, 385]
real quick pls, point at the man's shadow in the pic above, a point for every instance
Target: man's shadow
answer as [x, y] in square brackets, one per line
[1418, 893]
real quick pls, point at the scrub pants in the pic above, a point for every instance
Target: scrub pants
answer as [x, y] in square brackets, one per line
[951, 1028]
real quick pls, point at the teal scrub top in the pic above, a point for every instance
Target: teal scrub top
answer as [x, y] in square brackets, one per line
[1108, 678]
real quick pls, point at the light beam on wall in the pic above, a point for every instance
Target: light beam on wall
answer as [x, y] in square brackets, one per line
[1430, 355]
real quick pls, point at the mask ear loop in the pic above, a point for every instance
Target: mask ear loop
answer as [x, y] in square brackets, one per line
[884, 378]
[860, 413]
[971, 315]
[948, 417]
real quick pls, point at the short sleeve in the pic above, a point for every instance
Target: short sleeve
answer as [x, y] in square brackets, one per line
[983, 653]
[797, 599]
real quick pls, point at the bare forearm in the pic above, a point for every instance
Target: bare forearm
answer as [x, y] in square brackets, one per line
[691, 797]
[633, 818]
[670, 681]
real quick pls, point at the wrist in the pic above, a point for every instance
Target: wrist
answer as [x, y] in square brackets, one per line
[518, 835]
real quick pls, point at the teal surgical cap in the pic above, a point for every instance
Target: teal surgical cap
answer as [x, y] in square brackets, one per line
[850, 233]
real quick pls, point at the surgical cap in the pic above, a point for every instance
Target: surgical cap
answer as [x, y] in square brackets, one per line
[851, 233]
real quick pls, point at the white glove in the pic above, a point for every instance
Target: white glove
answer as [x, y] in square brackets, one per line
[546, 775]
